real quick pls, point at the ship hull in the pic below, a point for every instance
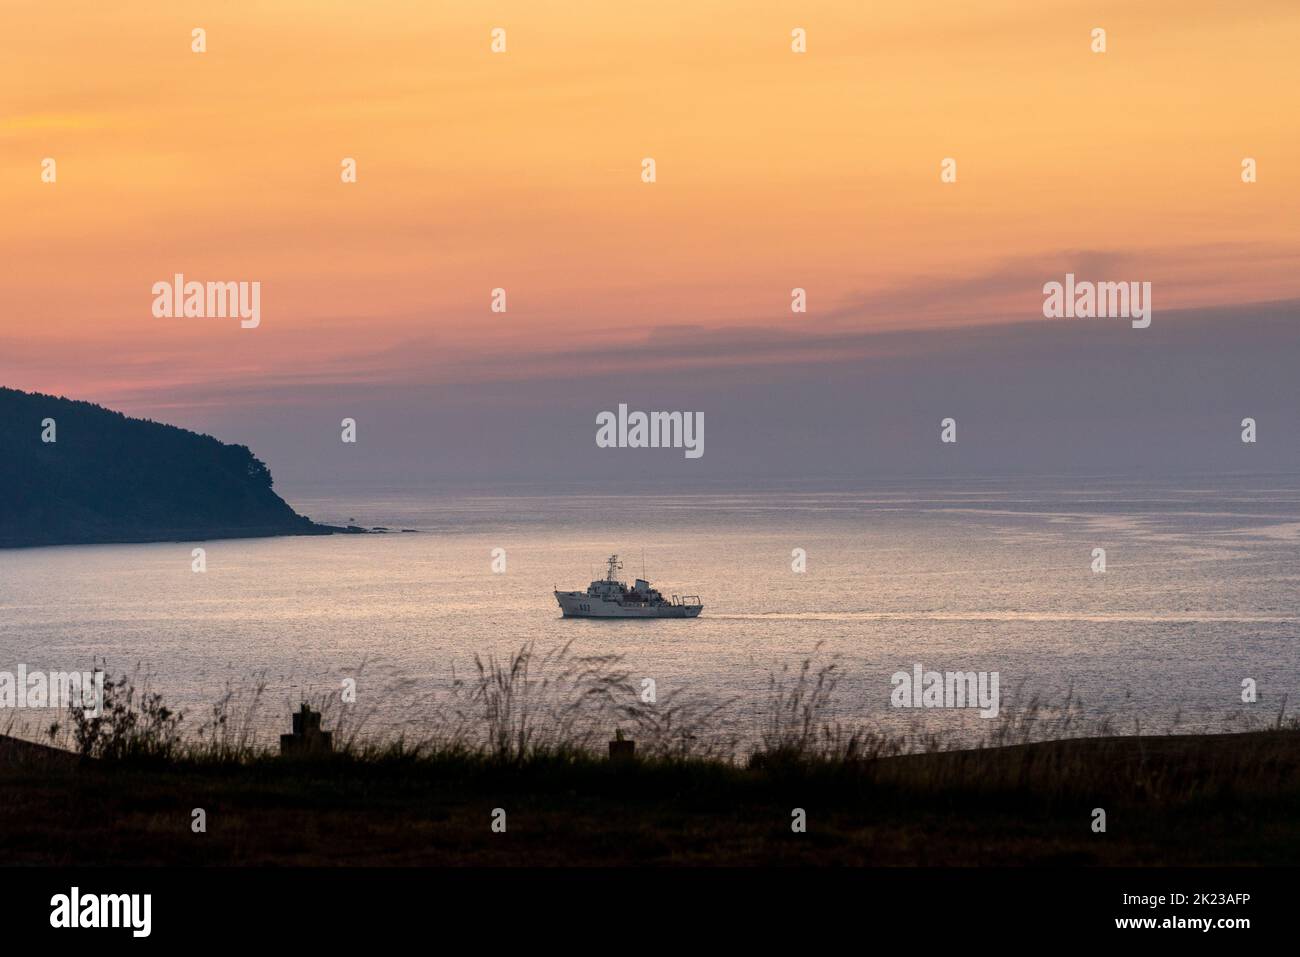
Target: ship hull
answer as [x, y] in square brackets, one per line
[581, 605]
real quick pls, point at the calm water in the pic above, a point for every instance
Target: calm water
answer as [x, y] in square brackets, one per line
[1199, 593]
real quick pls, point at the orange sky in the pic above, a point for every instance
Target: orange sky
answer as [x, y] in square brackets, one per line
[521, 170]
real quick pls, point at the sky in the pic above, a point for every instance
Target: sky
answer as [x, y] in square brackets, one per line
[522, 170]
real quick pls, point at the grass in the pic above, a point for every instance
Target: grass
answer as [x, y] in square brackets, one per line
[1206, 799]
[527, 733]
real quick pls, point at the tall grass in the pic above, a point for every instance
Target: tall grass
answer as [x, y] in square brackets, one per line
[554, 702]
[131, 722]
[230, 731]
[561, 705]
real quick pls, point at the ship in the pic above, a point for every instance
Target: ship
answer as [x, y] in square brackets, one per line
[610, 598]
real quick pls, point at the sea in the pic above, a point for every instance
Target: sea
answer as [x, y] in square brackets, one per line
[1187, 623]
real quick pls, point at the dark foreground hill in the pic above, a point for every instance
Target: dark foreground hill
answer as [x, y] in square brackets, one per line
[1194, 800]
[109, 478]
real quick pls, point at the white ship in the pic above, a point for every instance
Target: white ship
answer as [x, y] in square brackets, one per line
[610, 598]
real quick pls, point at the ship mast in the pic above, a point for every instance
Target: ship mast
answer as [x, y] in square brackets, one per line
[614, 565]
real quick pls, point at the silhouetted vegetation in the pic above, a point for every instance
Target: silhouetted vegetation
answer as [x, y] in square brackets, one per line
[527, 734]
[131, 723]
[109, 478]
